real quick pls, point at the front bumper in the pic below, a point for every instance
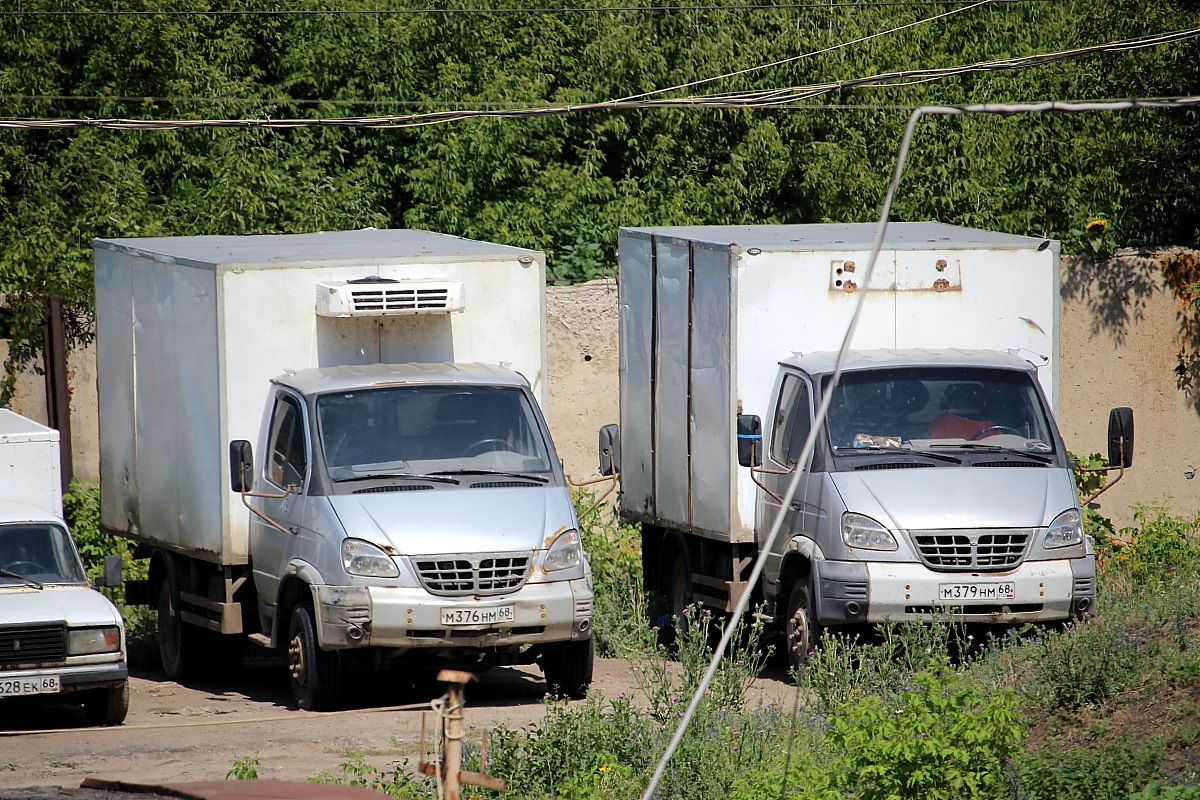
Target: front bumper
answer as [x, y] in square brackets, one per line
[75, 678]
[411, 618]
[910, 592]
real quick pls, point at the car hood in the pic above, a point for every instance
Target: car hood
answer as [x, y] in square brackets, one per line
[74, 605]
[458, 520]
[963, 497]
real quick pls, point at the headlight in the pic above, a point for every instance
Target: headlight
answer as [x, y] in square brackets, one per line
[866, 533]
[1066, 530]
[87, 641]
[368, 560]
[567, 551]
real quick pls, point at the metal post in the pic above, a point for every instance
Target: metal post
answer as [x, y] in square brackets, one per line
[452, 730]
[58, 397]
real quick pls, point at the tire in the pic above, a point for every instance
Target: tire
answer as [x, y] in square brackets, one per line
[107, 707]
[316, 674]
[801, 630]
[568, 667]
[172, 641]
[679, 586]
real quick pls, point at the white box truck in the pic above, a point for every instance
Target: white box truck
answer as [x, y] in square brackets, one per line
[334, 443]
[60, 639]
[939, 482]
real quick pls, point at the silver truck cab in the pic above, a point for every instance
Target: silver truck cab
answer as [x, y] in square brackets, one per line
[413, 510]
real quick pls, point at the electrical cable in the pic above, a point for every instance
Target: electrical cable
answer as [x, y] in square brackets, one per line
[778, 97]
[827, 397]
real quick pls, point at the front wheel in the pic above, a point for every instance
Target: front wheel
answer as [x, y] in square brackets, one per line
[568, 667]
[316, 674]
[802, 630]
[107, 706]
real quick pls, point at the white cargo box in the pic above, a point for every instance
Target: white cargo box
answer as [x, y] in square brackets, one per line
[190, 331]
[29, 463]
[708, 312]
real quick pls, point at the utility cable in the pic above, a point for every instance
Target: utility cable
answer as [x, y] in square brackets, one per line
[773, 98]
[827, 396]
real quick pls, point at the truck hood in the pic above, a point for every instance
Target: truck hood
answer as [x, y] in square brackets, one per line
[965, 497]
[458, 520]
[75, 605]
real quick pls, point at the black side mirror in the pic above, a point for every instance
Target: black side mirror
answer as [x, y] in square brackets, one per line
[112, 571]
[241, 466]
[610, 450]
[749, 440]
[1120, 437]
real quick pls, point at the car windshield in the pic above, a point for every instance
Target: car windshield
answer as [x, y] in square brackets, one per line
[938, 408]
[430, 430]
[40, 553]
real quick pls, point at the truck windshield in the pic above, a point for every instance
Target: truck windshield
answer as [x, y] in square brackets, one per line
[938, 408]
[38, 553]
[430, 430]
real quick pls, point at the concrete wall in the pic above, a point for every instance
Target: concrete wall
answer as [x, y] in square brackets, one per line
[1122, 333]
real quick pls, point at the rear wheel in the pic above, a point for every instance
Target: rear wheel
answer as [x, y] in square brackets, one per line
[172, 644]
[679, 586]
[107, 706]
[568, 667]
[802, 629]
[316, 674]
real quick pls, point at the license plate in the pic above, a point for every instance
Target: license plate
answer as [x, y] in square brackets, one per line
[475, 615]
[16, 687]
[950, 592]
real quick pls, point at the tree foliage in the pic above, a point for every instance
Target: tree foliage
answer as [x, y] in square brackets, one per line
[565, 183]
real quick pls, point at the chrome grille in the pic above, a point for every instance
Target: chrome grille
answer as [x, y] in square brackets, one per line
[474, 573]
[33, 644]
[972, 550]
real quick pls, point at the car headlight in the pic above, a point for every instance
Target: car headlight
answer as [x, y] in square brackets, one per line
[1066, 530]
[368, 560]
[864, 532]
[88, 641]
[566, 552]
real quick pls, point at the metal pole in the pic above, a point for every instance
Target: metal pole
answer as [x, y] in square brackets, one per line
[58, 397]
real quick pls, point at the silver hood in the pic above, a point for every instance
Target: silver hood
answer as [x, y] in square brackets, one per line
[457, 520]
[965, 497]
[74, 605]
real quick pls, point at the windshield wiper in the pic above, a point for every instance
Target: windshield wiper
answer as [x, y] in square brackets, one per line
[439, 478]
[879, 448]
[522, 475]
[1045, 459]
[18, 576]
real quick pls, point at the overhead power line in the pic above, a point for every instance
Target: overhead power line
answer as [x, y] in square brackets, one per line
[783, 97]
[867, 4]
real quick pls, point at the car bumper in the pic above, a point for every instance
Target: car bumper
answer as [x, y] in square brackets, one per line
[75, 678]
[411, 618]
[908, 592]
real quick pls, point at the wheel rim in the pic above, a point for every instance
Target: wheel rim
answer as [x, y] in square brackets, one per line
[298, 664]
[798, 633]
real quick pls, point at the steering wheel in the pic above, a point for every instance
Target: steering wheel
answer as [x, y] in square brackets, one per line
[12, 566]
[993, 429]
[487, 446]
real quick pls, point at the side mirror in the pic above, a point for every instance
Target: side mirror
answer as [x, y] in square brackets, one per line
[241, 466]
[1120, 437]
[112, 571]
[749, 440]
[610, 450]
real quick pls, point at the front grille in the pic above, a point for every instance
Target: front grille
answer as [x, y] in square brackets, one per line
[969, 550]
[33, 644]
[473, 574]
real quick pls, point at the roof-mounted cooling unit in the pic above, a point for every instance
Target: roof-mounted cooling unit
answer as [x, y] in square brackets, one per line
[376, 297]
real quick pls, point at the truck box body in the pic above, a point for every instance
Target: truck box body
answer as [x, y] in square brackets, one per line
[206, 322]
[707, 313]
[29, 471]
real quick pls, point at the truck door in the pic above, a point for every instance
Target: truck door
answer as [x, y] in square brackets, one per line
[285, 469]
[788, 429]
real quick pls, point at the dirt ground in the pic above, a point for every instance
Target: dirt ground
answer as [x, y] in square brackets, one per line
[177, 733]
